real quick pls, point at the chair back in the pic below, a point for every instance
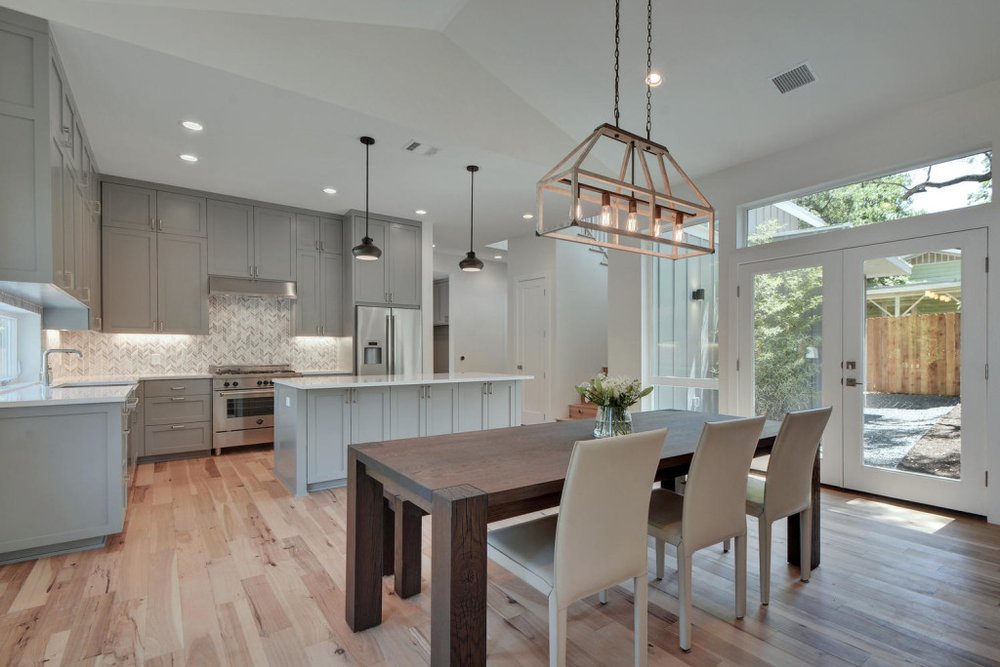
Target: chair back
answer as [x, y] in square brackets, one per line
[716, 489]
[601, 532]
[789, 472]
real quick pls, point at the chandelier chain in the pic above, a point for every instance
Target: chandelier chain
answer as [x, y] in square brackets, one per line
[649, 68]
[618, 8]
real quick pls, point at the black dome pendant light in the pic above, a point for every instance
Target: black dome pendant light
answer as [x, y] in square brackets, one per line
[367, 250]
[471, 263]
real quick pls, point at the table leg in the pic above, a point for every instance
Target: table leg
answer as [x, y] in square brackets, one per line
[388, 536]
[458, 577]
[793, 524]
[364, 547]
[406, 555]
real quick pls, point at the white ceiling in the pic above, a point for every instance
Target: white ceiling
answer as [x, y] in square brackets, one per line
[285, 88]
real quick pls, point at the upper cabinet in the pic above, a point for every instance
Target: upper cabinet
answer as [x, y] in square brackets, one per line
[154, 281]
[251, 241]
[130, 207]
[395, 279]
[47, 197]
[318, 311]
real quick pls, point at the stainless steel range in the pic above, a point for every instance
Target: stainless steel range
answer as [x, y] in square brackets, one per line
[243, 407]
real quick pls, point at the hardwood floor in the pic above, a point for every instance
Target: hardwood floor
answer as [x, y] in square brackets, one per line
[218, 564]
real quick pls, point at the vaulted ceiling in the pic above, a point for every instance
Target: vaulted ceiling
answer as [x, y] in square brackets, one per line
[285, 88]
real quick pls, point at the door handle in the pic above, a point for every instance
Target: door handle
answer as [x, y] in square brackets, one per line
[851, 382]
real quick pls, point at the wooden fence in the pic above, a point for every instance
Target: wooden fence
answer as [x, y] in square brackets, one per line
[917, 354]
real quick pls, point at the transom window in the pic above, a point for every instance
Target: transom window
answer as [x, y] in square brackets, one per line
[941, 186]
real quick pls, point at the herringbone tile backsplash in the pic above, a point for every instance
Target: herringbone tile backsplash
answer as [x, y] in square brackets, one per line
[242, 330]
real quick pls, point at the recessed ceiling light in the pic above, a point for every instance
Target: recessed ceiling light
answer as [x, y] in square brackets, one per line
[497, 256]
[420, 211]
[187, 157]
[330, 191]
[434, 245]
[527, 216]
[192, 125]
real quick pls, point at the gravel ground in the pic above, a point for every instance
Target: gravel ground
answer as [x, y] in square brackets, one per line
[894, 423]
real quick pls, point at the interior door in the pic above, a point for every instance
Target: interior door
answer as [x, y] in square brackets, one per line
[915, 370]
[789, 358]
[533, 347]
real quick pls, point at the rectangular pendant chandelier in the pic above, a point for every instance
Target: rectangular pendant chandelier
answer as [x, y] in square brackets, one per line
[634, 210]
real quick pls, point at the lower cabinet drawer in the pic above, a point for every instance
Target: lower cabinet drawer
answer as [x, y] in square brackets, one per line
[178, 438]
[582, 411]
[165, 410]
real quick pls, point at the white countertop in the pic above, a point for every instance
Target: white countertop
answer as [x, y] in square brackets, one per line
[36, 395]
[354, 381]
[103, 380]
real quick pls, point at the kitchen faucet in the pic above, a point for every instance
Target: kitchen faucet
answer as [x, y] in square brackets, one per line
[47, 369]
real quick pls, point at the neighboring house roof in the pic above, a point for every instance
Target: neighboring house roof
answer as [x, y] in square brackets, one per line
[803, 214]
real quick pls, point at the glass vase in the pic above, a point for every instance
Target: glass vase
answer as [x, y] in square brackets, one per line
[612, 421]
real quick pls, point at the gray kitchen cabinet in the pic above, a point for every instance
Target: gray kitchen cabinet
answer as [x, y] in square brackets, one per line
[164, 410]
[230, 239]
[176, 387]
[154, 283]
[308, 306]
[370, 278]
[404, 278]
[251, 241]
[274, 244]
[45, 159]
[128, 207]
[181, 214]
[422, 410]
[329, 434]
[182, 284]
[319, 233]
[370, 415]
[319, 308]
[130, 281]
[178, 439]
[396, 277]
[486, 405]
[133, 207]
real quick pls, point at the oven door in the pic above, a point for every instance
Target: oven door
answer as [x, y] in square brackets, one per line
[243, 409]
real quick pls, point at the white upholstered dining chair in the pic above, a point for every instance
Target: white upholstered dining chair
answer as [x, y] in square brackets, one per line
[597, 540]
[710, 511]
[787, 489]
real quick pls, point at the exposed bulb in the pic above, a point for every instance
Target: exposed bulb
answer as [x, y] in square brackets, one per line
[579, 210]
[632, 222]
[654, 79]
[605, 210]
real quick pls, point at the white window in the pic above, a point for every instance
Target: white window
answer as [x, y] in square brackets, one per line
[8, 348]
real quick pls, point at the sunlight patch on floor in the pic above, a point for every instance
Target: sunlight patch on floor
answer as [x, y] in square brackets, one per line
[907, 517]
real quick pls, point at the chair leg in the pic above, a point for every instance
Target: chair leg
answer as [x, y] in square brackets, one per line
[557, 634]
[602, 597]
[725, 546]
[741, 575]
[684, 595]
[764, 530]
[659, 559]
[805, 543]
[641, 620]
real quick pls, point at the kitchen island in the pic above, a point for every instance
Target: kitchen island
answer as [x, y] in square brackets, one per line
[317, 418]
[66, 461]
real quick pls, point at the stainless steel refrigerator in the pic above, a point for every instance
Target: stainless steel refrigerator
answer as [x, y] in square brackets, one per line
[387, 341]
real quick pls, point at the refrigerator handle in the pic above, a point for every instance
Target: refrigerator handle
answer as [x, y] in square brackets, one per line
[392, 348]
[388, 347]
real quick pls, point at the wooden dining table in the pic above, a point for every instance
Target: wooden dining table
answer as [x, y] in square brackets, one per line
[466, 481]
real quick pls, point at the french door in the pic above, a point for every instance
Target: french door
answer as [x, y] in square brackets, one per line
[893, 336]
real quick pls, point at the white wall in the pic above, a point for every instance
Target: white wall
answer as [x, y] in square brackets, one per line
[477, 310]
[581, 322]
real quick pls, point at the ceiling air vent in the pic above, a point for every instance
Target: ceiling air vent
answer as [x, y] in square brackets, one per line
[419, 148]
[793, 78]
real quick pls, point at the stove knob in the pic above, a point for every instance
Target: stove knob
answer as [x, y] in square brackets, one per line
[260, 382]
[226, 385]
[236, 384]
[270, 383]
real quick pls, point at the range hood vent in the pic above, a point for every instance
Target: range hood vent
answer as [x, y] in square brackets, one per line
[266, 289]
